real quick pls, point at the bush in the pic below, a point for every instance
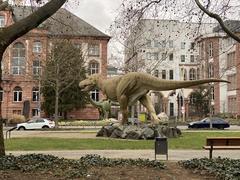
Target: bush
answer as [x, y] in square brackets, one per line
[85, 123]
[222, 168]
[66, 168]
[16, 118]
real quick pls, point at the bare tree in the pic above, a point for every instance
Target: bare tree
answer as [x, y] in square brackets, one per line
[17, 29]
[63, 67]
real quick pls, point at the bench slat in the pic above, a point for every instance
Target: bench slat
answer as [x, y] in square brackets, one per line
[222, 147]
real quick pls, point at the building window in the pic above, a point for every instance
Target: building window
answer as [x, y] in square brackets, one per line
[183, 44]
[210, 49]
[93, 50]
[37, 47]
[231, 62]
[182, 58]
[171, 57]
[1, 94]
[94, 95]
[156, 73]
[192, 45]
[93, 68]
[171, 109]
[155, 56]
[192, 74]
[232, 104]
[170, 44]
[2, 21]
[171, 76]
[156, 43]
[163, 44]
[211, 71]
[37, 67]
[19, 112]
[164, 56]
[233, 82]
[35, 111]
[17, 94]
[191, 58]
[163, 74]
[148, 44]
[18, 59]
[35, 94]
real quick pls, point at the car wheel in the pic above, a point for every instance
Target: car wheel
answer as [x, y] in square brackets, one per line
[21, 128]
[45, 127]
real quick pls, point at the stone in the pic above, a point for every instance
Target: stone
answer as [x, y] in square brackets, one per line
[117, 133]
[147, 133]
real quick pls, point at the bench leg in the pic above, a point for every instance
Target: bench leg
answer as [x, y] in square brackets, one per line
[210, 153]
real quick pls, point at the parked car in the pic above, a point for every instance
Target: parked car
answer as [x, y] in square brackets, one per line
[36, 123]
[217, 122]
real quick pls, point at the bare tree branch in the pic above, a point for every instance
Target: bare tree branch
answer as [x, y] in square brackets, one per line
[219, 19]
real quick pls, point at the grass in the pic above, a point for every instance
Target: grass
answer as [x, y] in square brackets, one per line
[189, 140]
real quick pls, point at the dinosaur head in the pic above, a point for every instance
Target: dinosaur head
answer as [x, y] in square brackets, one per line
[90, 83]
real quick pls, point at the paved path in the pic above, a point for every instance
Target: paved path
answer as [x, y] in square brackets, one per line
[174, 155]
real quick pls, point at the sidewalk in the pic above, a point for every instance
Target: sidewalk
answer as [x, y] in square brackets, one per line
[174, 155]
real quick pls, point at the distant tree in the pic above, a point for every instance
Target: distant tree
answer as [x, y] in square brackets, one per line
[63, 68]
[70, 99]
[199, 101]
[17, 29]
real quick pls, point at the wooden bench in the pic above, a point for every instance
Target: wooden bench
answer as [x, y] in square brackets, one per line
[222, 143]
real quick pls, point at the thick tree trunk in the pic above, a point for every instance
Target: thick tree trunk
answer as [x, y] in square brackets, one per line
[2, 147]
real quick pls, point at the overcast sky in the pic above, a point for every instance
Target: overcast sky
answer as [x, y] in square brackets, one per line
[99, 13]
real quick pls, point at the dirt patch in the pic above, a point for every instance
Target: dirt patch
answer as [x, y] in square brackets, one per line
[173, 171]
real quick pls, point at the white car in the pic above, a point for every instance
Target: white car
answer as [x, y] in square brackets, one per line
[36, 123]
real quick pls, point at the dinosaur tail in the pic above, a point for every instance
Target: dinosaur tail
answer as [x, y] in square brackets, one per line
[163, 85]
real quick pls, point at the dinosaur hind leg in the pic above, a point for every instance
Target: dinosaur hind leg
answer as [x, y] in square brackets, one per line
[146, 102]
[123, 100]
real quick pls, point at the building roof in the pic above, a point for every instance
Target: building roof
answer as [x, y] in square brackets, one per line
[233, 25]
[62, 22]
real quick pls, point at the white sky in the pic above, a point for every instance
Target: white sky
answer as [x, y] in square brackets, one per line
[98, 13]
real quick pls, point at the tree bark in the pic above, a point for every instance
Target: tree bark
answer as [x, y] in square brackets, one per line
[56, 106]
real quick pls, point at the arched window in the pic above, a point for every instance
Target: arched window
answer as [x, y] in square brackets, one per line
[36, 67]
[1, 94]
[35, 94]
[198, 73]
[17, 94]
[93, 68]
[18, 59]
[183, 74]
[37, 47]
[192, 74]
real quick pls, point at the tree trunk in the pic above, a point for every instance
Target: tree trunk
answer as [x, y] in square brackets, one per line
[56, 107]
[2, 147]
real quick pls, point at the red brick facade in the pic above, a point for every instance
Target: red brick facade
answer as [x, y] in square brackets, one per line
[26, 81]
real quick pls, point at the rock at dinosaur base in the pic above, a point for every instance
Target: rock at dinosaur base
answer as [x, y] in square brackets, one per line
[138, 132]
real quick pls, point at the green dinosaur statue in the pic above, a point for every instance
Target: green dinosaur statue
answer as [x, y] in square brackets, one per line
[134, 86]
[103, 106]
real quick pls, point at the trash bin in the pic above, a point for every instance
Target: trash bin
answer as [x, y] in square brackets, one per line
[161, 146]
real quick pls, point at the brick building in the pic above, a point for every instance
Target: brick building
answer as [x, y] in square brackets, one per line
[23, 59]
[220, 58]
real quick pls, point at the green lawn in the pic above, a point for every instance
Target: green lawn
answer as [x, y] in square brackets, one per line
[188, 140]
